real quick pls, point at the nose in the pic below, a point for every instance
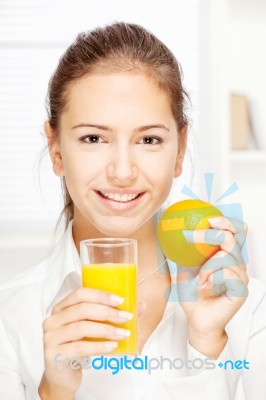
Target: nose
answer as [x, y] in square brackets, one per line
[122, 168]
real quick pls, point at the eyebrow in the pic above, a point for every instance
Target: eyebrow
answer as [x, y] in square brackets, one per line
[107, 128]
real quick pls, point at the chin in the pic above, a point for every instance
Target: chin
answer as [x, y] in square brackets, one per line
[116, 233]
[118, 229]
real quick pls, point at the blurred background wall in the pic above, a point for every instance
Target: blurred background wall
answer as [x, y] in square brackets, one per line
[219, 47]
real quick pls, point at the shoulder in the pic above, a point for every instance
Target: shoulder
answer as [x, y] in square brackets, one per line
[257, 292]
[255, 301]
[257, 305]
[25, 286]
[35, 276]
[27, 291]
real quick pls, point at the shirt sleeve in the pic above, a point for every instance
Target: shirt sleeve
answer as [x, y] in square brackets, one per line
[254, 378]
[226, 383]
[11, 385]
[217, 380]
[207, 381]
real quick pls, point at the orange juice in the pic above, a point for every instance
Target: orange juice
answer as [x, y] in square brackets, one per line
[120, 279]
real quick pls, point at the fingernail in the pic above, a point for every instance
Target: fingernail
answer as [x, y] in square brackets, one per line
[188, 235]
[125, 314]
[111, 345]
[123, 332]
[215, 220]
[116, 299]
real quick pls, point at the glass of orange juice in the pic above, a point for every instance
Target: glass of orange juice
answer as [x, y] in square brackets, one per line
[110, 264]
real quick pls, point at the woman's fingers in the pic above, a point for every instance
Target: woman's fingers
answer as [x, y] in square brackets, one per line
[239, 228]
[225, 281]
[80, 350]
[211, 278]
[219, 262]
[225, 239]
[84, 294]
[83, 329]
[86, 311]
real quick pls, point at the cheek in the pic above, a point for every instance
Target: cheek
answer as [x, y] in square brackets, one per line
[159, 171]
[160, 167]
[77, 170]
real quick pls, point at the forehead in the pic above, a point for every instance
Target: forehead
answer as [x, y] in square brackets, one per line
[117, 95]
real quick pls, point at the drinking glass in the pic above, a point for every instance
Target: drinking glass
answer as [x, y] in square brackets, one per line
[110, 264]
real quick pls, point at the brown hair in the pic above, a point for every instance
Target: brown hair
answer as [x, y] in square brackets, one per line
[116, 47]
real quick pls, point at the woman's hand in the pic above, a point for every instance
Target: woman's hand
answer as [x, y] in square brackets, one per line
[212, 297]
[83, 313]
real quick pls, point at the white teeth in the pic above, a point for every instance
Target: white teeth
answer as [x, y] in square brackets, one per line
[117, 197]
[120, 197]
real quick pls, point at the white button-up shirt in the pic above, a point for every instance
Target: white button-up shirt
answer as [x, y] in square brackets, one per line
[27, 300]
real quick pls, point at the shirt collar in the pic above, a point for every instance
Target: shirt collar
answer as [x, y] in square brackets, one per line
[63, 273]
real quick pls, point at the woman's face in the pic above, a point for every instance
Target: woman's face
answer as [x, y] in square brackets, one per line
[118, 150]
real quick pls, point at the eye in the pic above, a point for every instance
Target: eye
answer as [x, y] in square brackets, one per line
[92, 139]
[151, 140]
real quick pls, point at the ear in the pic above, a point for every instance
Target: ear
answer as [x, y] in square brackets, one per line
[182, 144]
[54, 150]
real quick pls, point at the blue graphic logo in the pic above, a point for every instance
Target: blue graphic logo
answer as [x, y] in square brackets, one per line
[233, 212]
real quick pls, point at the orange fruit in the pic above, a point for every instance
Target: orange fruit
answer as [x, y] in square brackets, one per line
[190, 215]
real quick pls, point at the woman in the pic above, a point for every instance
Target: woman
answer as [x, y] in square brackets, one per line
[117, 135]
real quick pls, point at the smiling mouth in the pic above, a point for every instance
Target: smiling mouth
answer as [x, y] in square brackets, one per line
[119, 198]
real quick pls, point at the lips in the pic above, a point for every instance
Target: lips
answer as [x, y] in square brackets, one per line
[117, 205]
[119, 197]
